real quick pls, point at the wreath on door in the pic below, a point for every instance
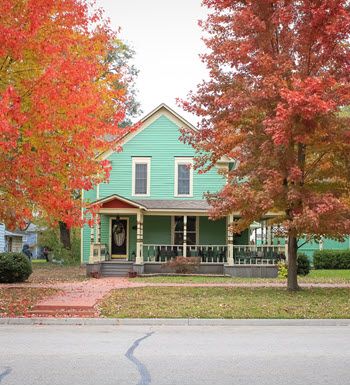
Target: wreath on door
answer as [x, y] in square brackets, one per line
[118, 233]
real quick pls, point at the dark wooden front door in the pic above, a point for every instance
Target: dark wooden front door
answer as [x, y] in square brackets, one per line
[119, 239]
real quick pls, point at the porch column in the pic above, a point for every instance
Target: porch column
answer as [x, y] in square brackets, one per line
[98, 229]
[185, 237]
[98, 235]
[286, 249]
[139, 238]
[92, 240]
[230, 250]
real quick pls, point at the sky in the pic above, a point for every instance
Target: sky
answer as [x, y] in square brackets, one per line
[167, 40]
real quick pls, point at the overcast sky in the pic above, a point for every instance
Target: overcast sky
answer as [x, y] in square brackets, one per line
[167, 41]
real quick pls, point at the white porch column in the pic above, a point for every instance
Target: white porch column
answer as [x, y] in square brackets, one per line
[286, 249]
[230, 250]
[139, 238]
[92, 240]
[98, 229]
[185, 237]
[98, 235]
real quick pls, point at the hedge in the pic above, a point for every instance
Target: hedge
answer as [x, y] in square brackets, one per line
[14, 267]
[331, 259]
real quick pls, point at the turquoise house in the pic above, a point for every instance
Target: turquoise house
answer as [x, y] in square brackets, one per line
[153, 209]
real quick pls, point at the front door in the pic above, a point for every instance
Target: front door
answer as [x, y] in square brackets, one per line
[119, 238]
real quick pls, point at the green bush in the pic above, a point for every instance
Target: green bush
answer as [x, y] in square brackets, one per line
[303, 264]
[14, 267]
[332, 259]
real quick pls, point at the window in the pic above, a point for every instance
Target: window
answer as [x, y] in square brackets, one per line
[141, 176]
[183, 177]
[178, 230]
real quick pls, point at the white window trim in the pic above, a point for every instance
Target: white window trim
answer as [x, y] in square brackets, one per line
[141, 160]
[183, 161]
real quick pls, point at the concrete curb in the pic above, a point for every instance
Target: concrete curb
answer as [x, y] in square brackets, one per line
[173, 322]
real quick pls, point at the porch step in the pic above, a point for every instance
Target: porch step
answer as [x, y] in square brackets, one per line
[116, 268]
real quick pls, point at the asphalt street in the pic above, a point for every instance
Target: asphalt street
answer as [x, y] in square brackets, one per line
[174, 354]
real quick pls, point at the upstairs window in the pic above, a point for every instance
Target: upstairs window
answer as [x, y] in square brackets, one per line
[183, 177]
[141, 176]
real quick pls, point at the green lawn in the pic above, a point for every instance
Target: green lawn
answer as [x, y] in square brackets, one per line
[216, 302]
[315, 276]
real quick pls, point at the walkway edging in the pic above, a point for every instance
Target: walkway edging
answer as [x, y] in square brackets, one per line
[174, 322]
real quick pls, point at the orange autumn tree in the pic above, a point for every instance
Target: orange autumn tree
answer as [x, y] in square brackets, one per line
[279, 78]
[57, 106]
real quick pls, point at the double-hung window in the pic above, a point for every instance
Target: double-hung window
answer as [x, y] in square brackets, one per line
[183, 177]
[141, 176]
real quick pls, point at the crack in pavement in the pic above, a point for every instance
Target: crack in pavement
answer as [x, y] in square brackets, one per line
[4, 373]
[145, 375]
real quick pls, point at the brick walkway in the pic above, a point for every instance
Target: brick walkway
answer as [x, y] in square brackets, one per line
[80, 298]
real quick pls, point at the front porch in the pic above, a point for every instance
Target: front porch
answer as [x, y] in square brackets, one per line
[148, 237]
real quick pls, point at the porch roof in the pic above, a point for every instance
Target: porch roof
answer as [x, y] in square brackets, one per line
[200, 205]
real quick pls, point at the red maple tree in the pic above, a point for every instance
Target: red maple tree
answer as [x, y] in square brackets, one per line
[279, 79]
[57, 106]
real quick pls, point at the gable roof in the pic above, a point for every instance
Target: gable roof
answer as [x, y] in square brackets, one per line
[162, 109]
[119, 198]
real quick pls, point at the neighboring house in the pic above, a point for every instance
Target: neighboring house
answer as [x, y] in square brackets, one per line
[14, 241]
[153, 208]
[2, 238]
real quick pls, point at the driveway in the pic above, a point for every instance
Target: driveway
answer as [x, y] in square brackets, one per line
[174, 354]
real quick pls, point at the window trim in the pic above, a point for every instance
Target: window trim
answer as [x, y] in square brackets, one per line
[141, 160]
[183, 161]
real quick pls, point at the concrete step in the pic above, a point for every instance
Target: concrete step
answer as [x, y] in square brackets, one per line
[115, 269]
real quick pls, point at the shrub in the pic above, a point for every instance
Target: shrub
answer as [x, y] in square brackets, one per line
[331, 259]
[14, 267]
[282, 270]
[303, 264]
[183, 264]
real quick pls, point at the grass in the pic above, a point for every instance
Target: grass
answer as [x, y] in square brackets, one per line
[315, 276]
[19, 301]
[45, 273]
[216, 302]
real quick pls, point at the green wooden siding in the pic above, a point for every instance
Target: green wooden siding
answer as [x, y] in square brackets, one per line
[212, 232]
[242, 239]
[160, 141]
[157, 230]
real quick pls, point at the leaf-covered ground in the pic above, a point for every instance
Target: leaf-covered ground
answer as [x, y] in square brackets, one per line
[216, 302]
[316, 276]
[51, 273]
[19, 301]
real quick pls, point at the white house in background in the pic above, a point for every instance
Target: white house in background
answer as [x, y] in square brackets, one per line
[14, 241]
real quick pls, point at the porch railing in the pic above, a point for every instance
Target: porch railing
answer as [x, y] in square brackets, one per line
[258, 254]
[163, 253]
[99, 253]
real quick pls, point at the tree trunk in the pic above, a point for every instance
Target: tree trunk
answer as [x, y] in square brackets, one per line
[292, 283]
[65, 235]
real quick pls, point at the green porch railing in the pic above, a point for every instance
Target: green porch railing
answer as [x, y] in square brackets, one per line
[258, 254]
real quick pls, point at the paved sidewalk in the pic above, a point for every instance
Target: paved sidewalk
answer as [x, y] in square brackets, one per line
[80, 298]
